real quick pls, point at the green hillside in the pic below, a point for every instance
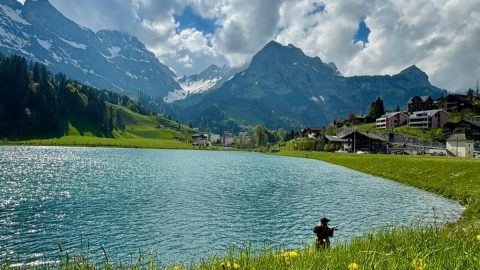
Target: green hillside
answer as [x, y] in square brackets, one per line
[137, 131]
[40, 108]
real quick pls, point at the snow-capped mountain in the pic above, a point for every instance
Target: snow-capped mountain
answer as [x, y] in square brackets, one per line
[284, 88]
[106, 59]
[210, 78]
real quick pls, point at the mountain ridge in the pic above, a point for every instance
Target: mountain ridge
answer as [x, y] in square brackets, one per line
[284, 88]
[105, 59]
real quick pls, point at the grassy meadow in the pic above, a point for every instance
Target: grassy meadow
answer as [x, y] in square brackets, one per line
[454, 246]
[139, 131]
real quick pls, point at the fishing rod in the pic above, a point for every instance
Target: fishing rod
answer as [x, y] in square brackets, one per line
[368, 216]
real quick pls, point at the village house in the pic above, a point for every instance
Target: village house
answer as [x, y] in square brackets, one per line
[338, 123]
[454, 103]
[364, 141]
[335, 141]
[244, 140]
[200, 140]
[469, 127]
[214, 138]
[228, 139]
[459, 146]
[311, 133]
[420, 103]
[428, 119]
[357, 119]
[393, 119]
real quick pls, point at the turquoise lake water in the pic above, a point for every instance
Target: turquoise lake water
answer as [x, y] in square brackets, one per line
[186, 205]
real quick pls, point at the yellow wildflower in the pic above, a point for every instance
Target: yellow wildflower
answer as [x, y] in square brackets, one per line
[176, 267]
[418, 264]
[478, 237]
[353, 266]
[236, 266]
[293, 253]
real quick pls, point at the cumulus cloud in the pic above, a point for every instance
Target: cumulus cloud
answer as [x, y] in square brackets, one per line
[441, 36]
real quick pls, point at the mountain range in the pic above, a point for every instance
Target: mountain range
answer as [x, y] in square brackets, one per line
[280, 88]
[284, 88]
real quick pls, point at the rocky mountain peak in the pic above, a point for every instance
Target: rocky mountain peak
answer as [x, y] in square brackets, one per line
[289, 61]
[415, 75]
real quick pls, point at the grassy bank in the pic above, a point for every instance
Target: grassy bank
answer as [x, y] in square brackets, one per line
[455, 246]
[140, 131]
[90, 141]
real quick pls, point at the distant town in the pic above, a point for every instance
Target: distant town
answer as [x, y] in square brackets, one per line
[447, 126]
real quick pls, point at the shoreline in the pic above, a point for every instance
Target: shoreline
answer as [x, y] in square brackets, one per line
[344, 160]
[452, 178]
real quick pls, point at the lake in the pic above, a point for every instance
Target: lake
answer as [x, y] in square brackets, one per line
[185, 205]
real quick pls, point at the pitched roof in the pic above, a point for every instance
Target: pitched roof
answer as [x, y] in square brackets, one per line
[428, 112]
[425, 98]
[458, 137]
[458, 97]
[334, 138]
[422, 98]
[391, 114]
[473, 123]
[372, 136]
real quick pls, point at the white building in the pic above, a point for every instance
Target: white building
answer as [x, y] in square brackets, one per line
[428, 119]
[393, 119]
[214, 138]
[228, 139]
[459, 146]
[244, 139]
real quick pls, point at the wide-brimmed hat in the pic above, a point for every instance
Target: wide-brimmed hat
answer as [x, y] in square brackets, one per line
[324, 220]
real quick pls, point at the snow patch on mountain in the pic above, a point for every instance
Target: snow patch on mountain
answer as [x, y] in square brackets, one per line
[191, 87]
[175, 95]
[74, 44]
[114, 51]
[44, 43]
[131, 75]
[317, 99]
[200, 86]
[14, 15]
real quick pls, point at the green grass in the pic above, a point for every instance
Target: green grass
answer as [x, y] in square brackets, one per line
[107, 142]
[140, 132]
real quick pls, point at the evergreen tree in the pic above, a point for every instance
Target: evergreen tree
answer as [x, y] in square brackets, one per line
[36, 72]
[470, 95]
[376, 110]
[260, 136]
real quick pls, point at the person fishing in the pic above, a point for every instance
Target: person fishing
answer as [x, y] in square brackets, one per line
[323, 233]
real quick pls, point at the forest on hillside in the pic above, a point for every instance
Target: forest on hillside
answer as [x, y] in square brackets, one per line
[35, 103]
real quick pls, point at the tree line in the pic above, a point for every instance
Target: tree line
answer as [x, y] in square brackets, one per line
[35, 103]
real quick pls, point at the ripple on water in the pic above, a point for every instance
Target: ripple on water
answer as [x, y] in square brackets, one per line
[183, 205]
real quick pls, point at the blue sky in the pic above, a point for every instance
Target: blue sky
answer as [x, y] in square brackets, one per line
[189, 19]
[364, 37]
[362, 33]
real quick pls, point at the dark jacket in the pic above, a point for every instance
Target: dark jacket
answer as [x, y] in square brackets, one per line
[323, 232]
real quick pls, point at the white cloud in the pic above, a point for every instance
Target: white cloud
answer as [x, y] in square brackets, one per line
[442, 37]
